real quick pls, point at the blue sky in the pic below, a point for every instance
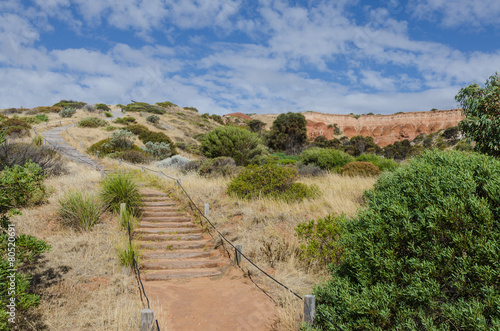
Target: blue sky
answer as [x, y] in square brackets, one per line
[251, 56]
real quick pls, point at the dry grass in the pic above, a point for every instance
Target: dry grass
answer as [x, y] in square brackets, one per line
[266, 229]
[81, 284]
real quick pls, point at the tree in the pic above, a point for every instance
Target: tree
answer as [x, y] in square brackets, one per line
[256, 125]
[423, 254]
[481, 107]
[288, 133]
[240, 144]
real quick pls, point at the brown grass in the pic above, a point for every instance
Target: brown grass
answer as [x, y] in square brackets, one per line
[81, 284]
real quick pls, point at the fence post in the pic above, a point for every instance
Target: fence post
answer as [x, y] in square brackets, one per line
[159, 174]
[309, 309]
[237, 255]
[207, 210]
[60, 122]
[142, 169]
[44, 141]
[97, 153]
[102, 174]
[147, 319]
[179, 182]
[81, 144]
[73, 178]
[123, 207]
[120, 161]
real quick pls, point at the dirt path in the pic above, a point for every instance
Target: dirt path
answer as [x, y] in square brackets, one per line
[192, 285]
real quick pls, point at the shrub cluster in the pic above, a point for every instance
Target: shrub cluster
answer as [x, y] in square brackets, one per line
[144, 107]
[70, 104]
[270, 181]
[22, 185]
[15, 127]
[157, 151]
[381, 162]
[80, 210]
[191, 109]
[125, 120]
[360, 168]
[424, 253]
[220, 166]
[92, 122]
[67, 112]
[133, 156]
[108, 114]
[166, 104]
[49, 160]
[146, 135]
[174, 161]
[327, 159]
[102, 106]
[49, 109]
[153, 119]
[37, 119]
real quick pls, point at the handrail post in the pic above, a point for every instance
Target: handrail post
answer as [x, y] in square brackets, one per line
[147, 319]
[309, 309]
[237, 254]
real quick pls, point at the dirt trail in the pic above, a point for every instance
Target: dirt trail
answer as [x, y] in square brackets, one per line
[193, 284]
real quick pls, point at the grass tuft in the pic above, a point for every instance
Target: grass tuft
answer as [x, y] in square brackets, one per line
[80, 210]
[121, 188]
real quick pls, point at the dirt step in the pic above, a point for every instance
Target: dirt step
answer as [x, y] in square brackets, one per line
[180, 274]
[168, 231]
[178, 254]
[166, 219]
[157, 209]
[190, 264]
[177, 237]
[158, 204]
[171, 245]
[166, 224]
[156, 199]
[153, 194]
[148, 213]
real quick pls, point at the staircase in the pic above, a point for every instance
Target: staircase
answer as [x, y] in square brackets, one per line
[172, 246]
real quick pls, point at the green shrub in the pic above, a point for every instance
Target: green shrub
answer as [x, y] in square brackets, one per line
[125, 120]
[80, 210]
[424, 253]
[70, 104]
[51, 162]
[134, 156]
[220, 166]
[319, 239]
[49, 109]
[102, 106]
[464, 146]
[120, 188]
[138, 129]
[360, 168]
[240, 144]
[217, 118]
[191, 109]
[37, 119]
[158, 151]
[108, 114]
[327, 159]
[92, 122]
[15, 127]
[122, 140]
[381, 162]
[174, 161]
[110, 128]
[37, 140]
[22, 186]
[128, 255]
[166, 104]
[272, 181]
[67, 112]
[288, 133]
[155, 137]
[143, 107]
[153, 119]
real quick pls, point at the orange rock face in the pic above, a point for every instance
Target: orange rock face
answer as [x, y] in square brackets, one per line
[385, 129]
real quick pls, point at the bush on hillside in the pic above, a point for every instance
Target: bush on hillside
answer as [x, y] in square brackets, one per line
[49, 109]
[134, 156]
[137, 129]
[125, 120]
[424, 253]
[22, 186]
[240, 144]
[381, 162]
[121, 188]
[288, 133]
[360, 168]
[220, 166]
[217, 118]
[158, 151]
[15, 127]
[49, 160]
[67, 112]
[326, 159]
[143, 107]
[191, 109]
[37, 119]
[108, 114]
[70, 104]
[102, 106]
[176, 161]
[166, 104]
[92, 122]
[153, 119]
[270, 181]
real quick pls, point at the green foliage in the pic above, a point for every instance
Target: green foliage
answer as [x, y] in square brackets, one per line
[92, 122]
[125, 120]
[158, 151]
[424, 253]
[157, 137]
[166, 104]
[22, 185]
[358, 145]
[121, 188]
[401, 150]
[37, 119]
[319, 239]
[451, 132]
[67, 112]
[240, 144]
[102, 106]
[360, 168]
[191, 109]
[108, 114]
[381, 162]
[49, 109]
[288, 133]
[217, 118]
[144, 107]
[137, 129]
[37, 140]
[271, 181]
[481, 107]
[15, 126]
[128, 255]
[256, 126]
[110, 128]
[80, 210]
[70, 104]
[133, 156]
[153, 119]
[220, 166]
[464, 147]
[121, 140]
[51, 162]
[327, 159]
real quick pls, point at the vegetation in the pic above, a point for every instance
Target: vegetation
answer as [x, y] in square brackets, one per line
[360, 168]
[381, 162]
[424, 253]
[49, 160]
[327, 159]
[121, 188]
[80, 210]
[49, 109]
[67, 112]
[143, 107]
[92, 122]
[481, 107]
[191, 109]
[240, 144]
[37, 119]
[256, 126]
[125, 120]
[288, 133]
[70, 104]
[217, 118]
[220, 166]
[153, 119]
[15, 127]
[133, 156]
[166, 104]
[103, 107]
[23, 185]
[270, 181]
[108, 114]
[158, 150]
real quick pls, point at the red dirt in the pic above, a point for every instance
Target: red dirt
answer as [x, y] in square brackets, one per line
[240, 115]
[230, 302]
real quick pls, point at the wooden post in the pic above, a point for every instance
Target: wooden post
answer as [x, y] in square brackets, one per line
[102, 174]
[97, 153]
[179, 182]
[237, 254]
[60, 123]
[159, 174]
[309, 309]
[207, 210]
[81, 144]
[44, 142]
[119, 161]
[142, 169]
[147, 319]
[123, 208]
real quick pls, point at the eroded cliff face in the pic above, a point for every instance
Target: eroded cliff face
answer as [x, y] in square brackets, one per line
[385, 129]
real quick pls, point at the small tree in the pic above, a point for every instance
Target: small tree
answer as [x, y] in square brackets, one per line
[481, 107]
[288, 133]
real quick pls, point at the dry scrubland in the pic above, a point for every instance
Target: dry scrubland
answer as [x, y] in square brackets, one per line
[81, 283]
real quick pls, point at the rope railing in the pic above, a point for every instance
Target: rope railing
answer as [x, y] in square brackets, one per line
[236, 249]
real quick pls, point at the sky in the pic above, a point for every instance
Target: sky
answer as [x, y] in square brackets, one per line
[250, 56]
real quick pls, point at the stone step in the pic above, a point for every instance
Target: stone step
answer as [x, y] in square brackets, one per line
[171, 245]
[166, 224]
[178, 254]
[166, 237]
[167, 231]
[180, 274]
[174, 219]
[189, 264]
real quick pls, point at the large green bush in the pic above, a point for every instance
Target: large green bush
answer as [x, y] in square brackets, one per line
[270, 180]
[92, 122]
[380, 161]
[13, 153]
[125, 120]
[288, 133]
[23, 185]
[424, 254]
[143, 107]
[240, 144]
[327, 159]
